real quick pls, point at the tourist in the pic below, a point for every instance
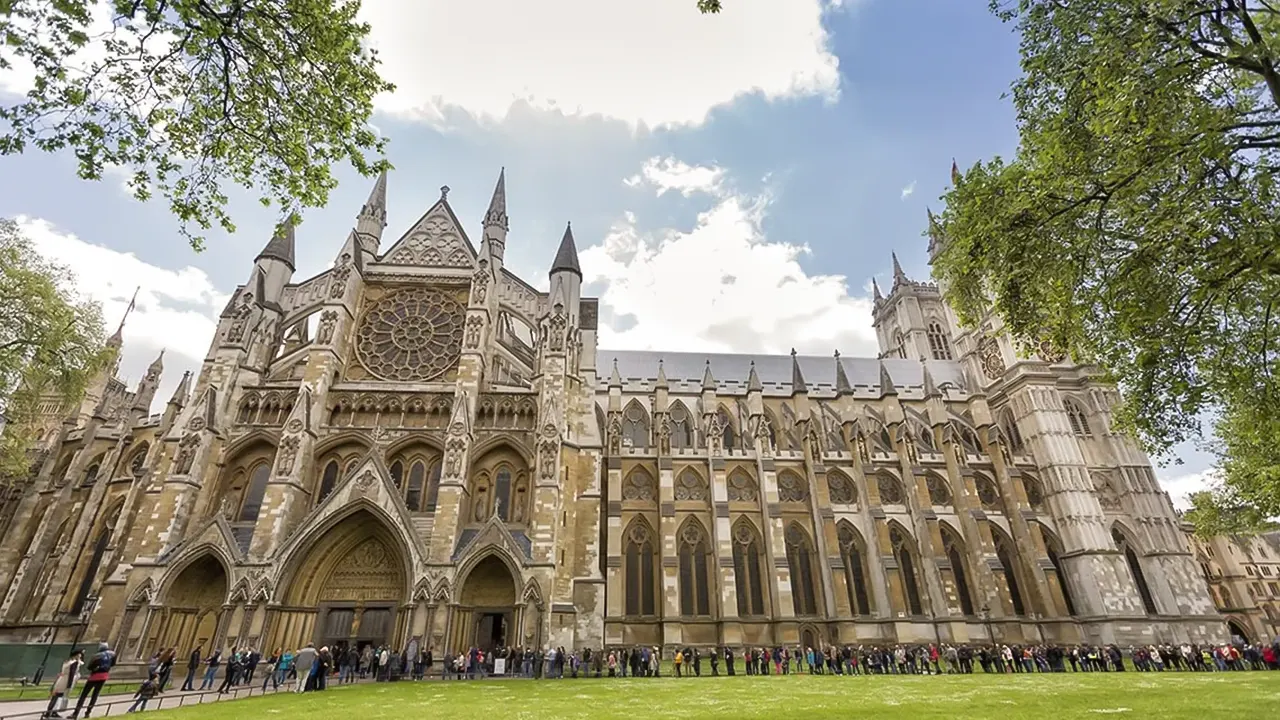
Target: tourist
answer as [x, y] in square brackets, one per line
[167, 659]
[233, 671]
[99, 671]
[193, 664]
[63, 684]
[211, 671]
[303, 661]
[149, 689]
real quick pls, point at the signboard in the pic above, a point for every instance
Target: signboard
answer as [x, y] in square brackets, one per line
[499, 666]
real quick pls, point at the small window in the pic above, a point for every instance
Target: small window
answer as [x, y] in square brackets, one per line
[939, 347]
[1077, 417]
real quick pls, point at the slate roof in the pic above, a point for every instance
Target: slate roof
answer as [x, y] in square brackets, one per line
[684, 371]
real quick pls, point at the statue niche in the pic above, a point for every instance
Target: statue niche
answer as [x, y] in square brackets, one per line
[500, 485]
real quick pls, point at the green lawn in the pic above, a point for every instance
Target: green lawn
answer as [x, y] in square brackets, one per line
[1165, 696]
[15, 691]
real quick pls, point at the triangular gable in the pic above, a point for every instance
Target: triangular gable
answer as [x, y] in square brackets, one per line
[199, 415]
[216, 533]
[436, 240]
[369, 486]
[494, 533]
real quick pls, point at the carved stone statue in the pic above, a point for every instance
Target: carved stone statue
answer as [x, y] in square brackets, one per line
[240, 323]
[328, 320]
[338, 281]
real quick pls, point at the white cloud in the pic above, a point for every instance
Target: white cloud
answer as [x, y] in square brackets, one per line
[658, 62]
[721, 286]
[1182, 487]
[670, 174]
[176, 309]
[909, 190]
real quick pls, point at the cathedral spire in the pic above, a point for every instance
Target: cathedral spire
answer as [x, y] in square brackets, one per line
[372, 219]
[181, 392]
[875, 290]
[899, 277]
[842, 380]
[661, 382]
[886, 382]
[567, 256]
[615, 380]
[496, 215]
[708, 380]
[797, 378]
[955, 172]
[753, 380]
[280, 247]
[930, 387]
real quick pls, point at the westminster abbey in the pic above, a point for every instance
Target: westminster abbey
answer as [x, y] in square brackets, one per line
[417, 447]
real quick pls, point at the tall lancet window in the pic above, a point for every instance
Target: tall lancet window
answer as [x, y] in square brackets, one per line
[939, 346]
[638, 560]
[800, 562]
[695, 597]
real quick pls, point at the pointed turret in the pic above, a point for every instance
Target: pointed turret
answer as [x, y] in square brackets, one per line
[661, 382]
[875, 290]
[842, 380]
[372, 219]
[955, 172]
[567, 255]
[496, 215]
[709, 380]
[935, 234]
[280, 247]
[615, 380]
[797, 378]
[899, 277]
[117, 338]
[886, 382]
[182, 392]
[930, 388]
[753, 380]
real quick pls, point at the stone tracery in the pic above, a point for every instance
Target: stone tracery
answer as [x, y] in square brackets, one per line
[411, 334]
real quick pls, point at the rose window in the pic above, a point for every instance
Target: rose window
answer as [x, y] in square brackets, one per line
[413, 334]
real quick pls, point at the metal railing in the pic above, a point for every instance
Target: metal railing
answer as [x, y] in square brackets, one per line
[118, 704]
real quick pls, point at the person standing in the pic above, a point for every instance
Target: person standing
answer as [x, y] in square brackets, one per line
[99, 671]
[167, 659]
[193, 664]
[302, 663]
[211, 672]
[63, 684]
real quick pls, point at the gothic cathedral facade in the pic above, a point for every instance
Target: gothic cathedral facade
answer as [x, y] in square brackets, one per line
[416, 447]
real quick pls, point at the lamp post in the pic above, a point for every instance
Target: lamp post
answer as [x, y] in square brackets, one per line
[48, 648]
[90, 606]
[986, 620]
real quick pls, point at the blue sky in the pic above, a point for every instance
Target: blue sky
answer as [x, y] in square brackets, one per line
[734, 182]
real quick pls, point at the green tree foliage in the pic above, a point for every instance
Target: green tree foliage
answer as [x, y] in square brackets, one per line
[51, 343]
[708, 6]
[186, 94]
[1138, 226]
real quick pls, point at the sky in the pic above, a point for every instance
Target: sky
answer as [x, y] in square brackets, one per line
[734, 181]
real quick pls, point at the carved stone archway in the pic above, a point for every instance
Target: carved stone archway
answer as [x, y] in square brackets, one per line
[349, 588]
[194, 610]
[488, 612]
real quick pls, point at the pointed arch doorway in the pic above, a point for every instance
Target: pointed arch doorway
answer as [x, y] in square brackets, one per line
[350, 589]
[487, 615]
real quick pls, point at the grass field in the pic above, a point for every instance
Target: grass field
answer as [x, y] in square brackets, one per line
[1010, 697]
[15, 691]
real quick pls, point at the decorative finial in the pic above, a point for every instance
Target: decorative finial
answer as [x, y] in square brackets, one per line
[793, 352]
[837, 353]
[444, 192]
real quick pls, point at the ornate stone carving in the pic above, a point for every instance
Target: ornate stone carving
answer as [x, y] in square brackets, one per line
[715, 434]
[474, 325]
[890, 490]
[615, 434]
[186, 453]
[909, 445]
[690, 486]
[742, 487]
[555, 341]
[792, 488]
[1105, 488]
[338, 281]
[638, 486]
[286, 455]
[664, 438]
[295, 426]
[454, 449]
[860, 445]
[548, 453]
[988, 493]
[480, 283]
[939, 492]
[411, 334]
[240, 322]
[989, 357]
[1050, 352]
[328, 320]
[843, 491]
[764, 436]
[196, 424]
[364, 485]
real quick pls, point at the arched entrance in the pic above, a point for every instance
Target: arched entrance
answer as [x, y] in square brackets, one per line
[194, 606]
[486, 612]
[1238, 634]
[349, 590]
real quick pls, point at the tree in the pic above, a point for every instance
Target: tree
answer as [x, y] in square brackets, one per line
[186, 94]
[51, 343]
[1138, 226]
[708, 6]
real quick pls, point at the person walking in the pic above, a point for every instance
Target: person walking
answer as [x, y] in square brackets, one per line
[99, 671]
[149, 689]
[211, 672]
[193, 664]
[63, 684]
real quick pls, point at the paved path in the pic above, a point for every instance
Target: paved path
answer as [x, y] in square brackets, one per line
[111, 705]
